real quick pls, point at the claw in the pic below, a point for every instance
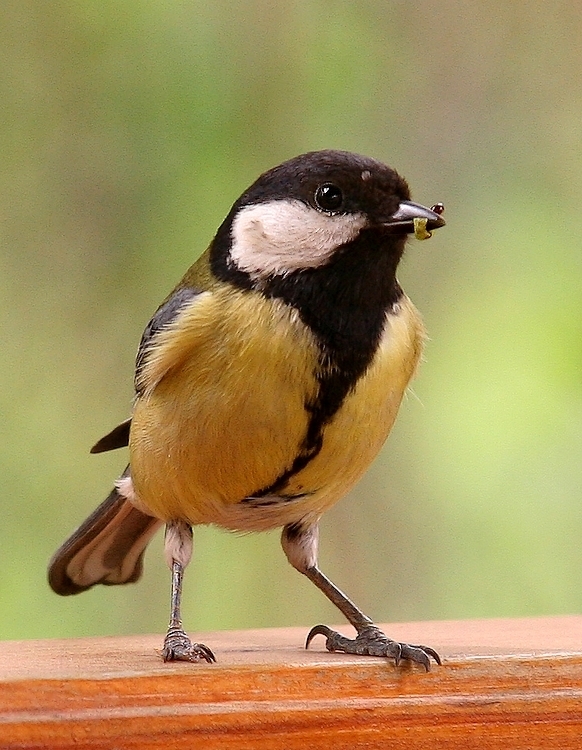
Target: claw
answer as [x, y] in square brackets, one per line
[318, 630]
[178, 647]
[398, 655]
[430, 652]
[372, 642]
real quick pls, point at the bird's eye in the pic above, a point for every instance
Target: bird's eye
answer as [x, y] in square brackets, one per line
[328, 197]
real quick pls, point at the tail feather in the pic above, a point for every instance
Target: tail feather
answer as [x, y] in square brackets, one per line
[107, 548]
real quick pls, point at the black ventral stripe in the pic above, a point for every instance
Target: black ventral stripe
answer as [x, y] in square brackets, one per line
[344, 304]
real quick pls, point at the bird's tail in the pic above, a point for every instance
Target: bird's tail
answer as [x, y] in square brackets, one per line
[107, 548]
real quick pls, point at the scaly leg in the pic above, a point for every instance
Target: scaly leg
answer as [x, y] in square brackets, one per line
[178, 550]
[300, 545]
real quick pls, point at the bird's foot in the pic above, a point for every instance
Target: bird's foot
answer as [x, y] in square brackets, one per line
[178, 647]
[371, 641]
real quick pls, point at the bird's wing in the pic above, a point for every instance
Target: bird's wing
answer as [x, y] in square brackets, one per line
[165, 314]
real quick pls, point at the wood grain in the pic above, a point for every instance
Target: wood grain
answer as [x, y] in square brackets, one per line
[504, 684]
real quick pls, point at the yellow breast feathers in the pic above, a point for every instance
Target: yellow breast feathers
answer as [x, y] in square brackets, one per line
[207, 431]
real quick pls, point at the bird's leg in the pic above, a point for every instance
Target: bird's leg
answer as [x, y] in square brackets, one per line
[178, 544]
[300, 545]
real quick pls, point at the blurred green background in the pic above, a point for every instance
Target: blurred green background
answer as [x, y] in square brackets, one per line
[127, 130]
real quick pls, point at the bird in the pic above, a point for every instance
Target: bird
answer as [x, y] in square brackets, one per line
[265, 384]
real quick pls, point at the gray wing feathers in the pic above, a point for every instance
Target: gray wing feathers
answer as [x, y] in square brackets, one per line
[119, 436]
[163, 317]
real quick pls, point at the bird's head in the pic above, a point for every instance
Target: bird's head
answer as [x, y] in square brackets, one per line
[305, 212]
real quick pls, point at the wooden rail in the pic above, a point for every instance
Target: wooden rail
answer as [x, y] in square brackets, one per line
[504, 684]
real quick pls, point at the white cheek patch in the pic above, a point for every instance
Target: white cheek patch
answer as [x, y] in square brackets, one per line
[286, 235]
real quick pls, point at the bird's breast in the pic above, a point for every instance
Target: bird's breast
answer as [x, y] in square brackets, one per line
[226, 412]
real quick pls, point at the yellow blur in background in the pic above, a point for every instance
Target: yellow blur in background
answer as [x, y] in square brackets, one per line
[128, 128]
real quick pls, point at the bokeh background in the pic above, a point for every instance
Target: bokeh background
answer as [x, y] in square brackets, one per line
[127, 130]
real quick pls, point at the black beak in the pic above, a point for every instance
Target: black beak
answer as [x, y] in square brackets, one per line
[403, 219]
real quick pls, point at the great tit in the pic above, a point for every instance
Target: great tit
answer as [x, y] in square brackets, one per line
[265, 384]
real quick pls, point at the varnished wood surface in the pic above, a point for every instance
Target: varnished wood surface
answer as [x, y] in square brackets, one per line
[504, 684]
